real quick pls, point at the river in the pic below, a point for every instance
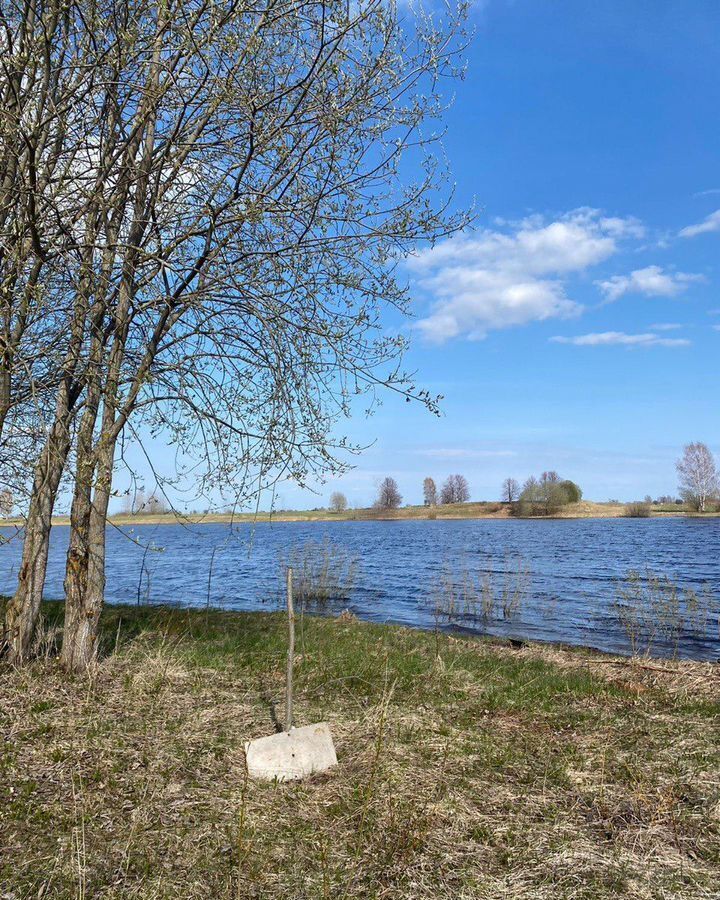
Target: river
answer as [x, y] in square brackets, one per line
[574, 570]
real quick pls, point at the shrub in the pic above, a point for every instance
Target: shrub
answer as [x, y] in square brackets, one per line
[546, 496]
[638, 510]
[572, 490]
[522, 508]
[554, 497]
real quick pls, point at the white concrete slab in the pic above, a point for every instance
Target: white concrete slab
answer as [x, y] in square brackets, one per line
[290, 756]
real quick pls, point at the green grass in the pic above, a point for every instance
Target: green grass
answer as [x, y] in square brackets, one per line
[490, 772]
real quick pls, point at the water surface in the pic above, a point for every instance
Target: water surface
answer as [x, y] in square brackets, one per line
[574, 567]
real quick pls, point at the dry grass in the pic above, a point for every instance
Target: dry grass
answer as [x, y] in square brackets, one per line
[495, 773]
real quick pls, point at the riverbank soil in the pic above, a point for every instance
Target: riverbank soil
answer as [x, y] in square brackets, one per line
[495, 772]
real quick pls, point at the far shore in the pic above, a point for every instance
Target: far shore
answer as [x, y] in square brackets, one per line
[475, 510]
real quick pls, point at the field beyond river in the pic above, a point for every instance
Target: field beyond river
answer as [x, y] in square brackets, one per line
[586, 509]
[467, 768]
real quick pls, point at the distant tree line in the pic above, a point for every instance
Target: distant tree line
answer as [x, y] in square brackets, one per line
[455, 489]
[699, 487]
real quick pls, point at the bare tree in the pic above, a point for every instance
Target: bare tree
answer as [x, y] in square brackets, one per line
[34, 308]
[389, 496]
[157, 506]
[134, 502]
[338, 502]
[510, 490]
[551, 494]
[430, 494]
[455, 490]
[697, 475]
[550, 477]
[224, 209]
[447, 491]
[530, 496]
[462, 489]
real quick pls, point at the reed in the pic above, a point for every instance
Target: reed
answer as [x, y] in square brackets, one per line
[478, 599]
[324, 573]
[652, 610]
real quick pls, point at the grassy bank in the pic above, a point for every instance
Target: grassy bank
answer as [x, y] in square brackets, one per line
[586, 509]
[501, 772]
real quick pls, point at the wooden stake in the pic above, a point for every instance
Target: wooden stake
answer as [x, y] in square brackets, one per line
[291, 654]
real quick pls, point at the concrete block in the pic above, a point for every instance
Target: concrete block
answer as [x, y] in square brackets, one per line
[290, 756]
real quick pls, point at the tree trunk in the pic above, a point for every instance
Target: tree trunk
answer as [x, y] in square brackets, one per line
[85, 574]
[73, 655]
[24, 609]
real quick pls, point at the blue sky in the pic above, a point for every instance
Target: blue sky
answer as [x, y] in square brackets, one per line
[576, 327]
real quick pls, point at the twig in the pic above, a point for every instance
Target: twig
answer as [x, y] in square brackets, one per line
[291, 653]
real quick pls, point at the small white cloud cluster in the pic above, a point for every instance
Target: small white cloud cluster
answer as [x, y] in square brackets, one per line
[496, 279]
[708, 224]
[653, 281]
[463, 453]
[620, 338]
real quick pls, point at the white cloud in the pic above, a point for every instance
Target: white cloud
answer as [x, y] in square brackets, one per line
[497, 279]
[620, 338]
[464, 453]
[709, 223]
[665, 326]
[652, 281]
